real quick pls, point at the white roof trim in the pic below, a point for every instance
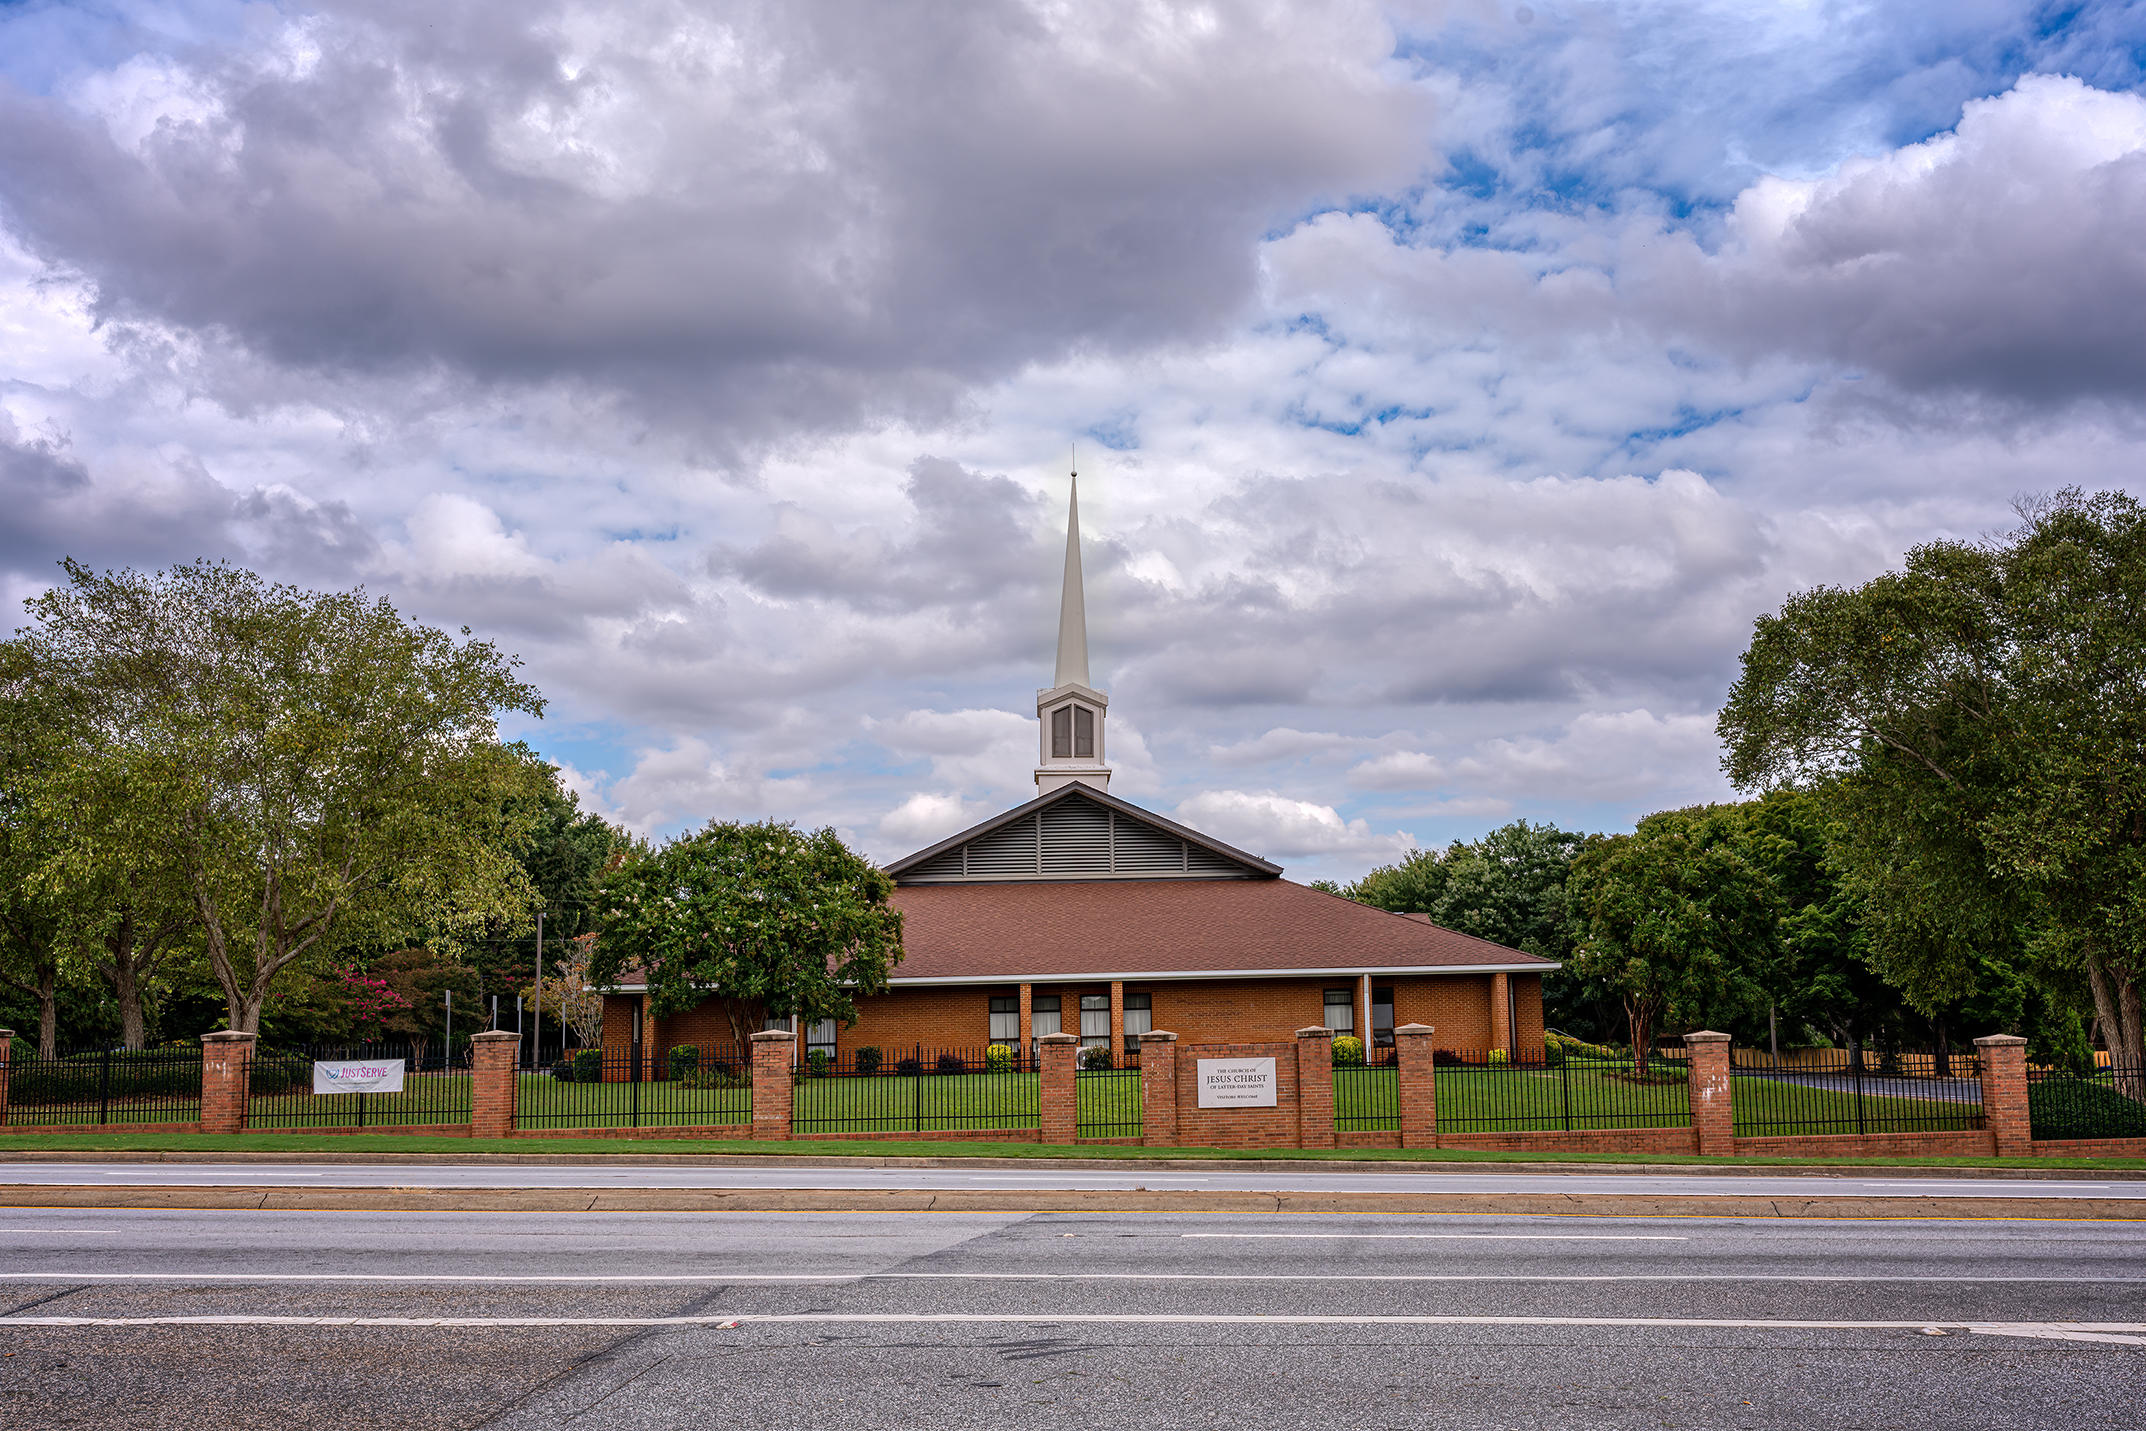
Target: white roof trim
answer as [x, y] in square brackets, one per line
[1150, 977]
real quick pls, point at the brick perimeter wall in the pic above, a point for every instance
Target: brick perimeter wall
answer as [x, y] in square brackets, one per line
[2090, 1147]
[1579, 1140]
[1872, 1145]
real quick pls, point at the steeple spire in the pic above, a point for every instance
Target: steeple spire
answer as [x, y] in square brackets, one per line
[1072, 604]
[1072, 712]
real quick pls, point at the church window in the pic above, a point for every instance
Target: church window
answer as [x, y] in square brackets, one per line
[820, 1035]
[1139, 1019]
[1094, 1020]
[1341, 1010]
[1043, 1015]
[1083, 733]
[1062, 733]
[1005, 1018]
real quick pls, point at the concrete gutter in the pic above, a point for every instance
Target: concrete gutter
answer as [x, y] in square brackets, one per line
[1741, 1169]
[1042, 1200]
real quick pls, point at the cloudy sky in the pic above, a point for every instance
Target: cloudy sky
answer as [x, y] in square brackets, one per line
[1453, 383]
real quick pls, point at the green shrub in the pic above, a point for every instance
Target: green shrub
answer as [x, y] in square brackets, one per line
[562, 1068]
[1348, 1052]
[1497, 1055]
[951, 1063]
[588, 1065]
[1553, 1052]
[1097, 1057]
[2075, 1108]
[868, 1060]
[998, 1058]
[722, 1075]
[817, 1062]
[83, 1077]
[685, 1062]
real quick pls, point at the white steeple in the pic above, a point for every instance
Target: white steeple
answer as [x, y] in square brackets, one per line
[1071, 712]
[1072, 604]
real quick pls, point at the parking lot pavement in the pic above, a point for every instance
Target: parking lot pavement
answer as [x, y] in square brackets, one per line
[242, 1319]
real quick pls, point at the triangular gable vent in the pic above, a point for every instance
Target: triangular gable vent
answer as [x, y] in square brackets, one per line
[1076, 837]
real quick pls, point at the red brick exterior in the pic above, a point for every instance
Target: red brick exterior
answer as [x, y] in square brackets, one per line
[1058, 1087]
[226, 1074]
[1418, 1075]
[1315, 1087]
[492, 1086]
[1713, 1115]
[1158, 1089]
[1274, 1127]
[2004, 1094]
[1579, 1140]
[773, 1077]
[2090, 1147]
[1964, 1144]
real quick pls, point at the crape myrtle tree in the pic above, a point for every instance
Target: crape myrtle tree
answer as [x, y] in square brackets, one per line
[1675, 921]
[1979, 721]
[319, 771]
[764, 918]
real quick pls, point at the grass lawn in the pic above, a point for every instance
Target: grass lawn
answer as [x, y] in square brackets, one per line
[1770, 1107]
[946, 1102]
[1510, 1100]
[629, 1150]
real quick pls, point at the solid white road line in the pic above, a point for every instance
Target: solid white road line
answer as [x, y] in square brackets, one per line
[2119, 1333]
[1440, 1236]
[784, 1278]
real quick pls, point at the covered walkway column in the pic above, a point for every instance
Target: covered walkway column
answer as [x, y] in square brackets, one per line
[1028, 1034]
[1501, 1011]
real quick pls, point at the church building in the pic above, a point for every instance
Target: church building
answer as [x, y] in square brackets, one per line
[1079, 912]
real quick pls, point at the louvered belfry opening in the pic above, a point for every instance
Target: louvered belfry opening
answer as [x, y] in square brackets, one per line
[1076, 838]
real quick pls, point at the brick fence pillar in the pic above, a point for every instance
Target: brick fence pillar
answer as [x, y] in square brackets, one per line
[226, 1080]
[7, 1050]
[2004, 1094]
[1058, 1090]
[1418, 1074]
[492, 1087]
[1713, 1113]
[773, 1081]
[1315, 1088]
[1158, 1089]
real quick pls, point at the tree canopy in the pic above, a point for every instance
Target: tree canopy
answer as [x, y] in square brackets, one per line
[314, 769]
[1978, 720]
[766, 919]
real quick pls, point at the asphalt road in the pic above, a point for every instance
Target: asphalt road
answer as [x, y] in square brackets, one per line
[233, 1320]
[1280, 1179]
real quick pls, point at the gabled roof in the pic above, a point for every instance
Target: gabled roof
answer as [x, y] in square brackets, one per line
[1170, 929]
[1078, 832]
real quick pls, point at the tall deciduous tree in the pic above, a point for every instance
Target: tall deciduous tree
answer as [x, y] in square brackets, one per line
[1675, 921]
[1982, 716]
[762, 917]
[319, 770]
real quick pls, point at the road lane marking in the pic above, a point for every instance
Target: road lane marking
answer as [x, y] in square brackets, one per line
[785, 1278]
[2118, 1333]
[1447, 1236]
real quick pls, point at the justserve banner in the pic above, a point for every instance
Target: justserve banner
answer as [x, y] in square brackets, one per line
[358, 1075]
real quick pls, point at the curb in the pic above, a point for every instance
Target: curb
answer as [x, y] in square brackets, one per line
[1121, 1165]
[1045, 1200]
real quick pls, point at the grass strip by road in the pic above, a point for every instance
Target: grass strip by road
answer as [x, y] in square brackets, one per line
[631, 1148]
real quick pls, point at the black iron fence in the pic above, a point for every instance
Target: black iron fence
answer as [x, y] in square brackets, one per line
[1367, 1094]
[1854, 1090]
[2098, 1103]
[915, 1089]
[1486, 1092]
[435, 1087]
[103, 1085]
[1107, 1094]
[683, 1086]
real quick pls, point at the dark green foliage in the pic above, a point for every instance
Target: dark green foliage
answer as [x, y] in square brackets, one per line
[817, 1062]
[685, 1062]
[85, 1077]
[951, 1063]
[1348, 1052]
[2075, 1108]
[588, 1065]
[1097, 1057]
[868, 1060]
[909, 1067]
[562, 1068]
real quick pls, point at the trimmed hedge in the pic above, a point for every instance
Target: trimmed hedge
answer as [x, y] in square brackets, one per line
[2075, 1108]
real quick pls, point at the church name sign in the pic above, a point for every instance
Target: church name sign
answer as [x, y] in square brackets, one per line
[1237, 1083]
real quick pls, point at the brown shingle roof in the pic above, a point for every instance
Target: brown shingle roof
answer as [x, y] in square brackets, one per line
[1157, 927]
